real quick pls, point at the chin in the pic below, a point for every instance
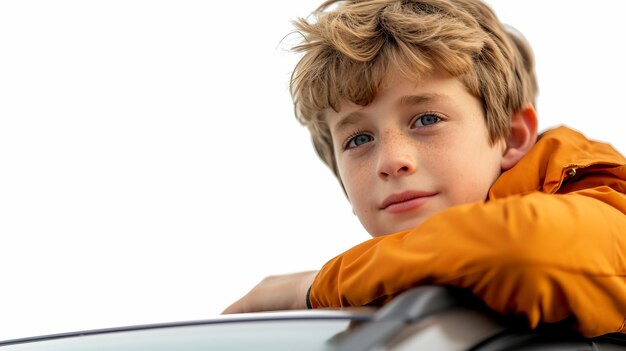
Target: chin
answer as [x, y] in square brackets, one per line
[399, 227]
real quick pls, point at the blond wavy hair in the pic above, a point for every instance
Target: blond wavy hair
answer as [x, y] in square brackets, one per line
[348, 47]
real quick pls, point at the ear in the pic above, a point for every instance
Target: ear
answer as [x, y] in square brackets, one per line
[522, 137]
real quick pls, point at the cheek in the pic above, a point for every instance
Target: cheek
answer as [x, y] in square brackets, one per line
[357, 182]
[471, 177]
[354, 182]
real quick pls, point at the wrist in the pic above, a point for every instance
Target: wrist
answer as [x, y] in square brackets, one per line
[307, 299]
[303, 295]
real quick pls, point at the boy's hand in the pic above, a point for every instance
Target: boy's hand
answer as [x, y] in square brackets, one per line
[281, 292]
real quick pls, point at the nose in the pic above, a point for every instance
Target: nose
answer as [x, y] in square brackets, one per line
[397, 157]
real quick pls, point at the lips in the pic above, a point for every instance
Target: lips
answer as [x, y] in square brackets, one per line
[405, 200]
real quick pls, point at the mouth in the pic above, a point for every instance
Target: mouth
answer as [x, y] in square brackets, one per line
[405, 201]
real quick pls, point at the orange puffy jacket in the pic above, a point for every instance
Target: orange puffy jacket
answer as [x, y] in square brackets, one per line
[548, 244]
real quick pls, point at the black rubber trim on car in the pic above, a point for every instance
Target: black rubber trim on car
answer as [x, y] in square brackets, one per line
[405, 309]
[508, 340]
[550, 339]
[617, 338]
[617, 341]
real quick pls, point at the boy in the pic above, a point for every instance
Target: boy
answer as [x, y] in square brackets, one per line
[424, 111]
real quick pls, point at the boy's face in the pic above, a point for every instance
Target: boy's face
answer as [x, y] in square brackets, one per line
[414, 151]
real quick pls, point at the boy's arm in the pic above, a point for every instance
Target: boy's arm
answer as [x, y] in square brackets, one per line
[546, 257]
[279, 292]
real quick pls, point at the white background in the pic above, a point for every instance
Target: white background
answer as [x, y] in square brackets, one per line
[151, 169]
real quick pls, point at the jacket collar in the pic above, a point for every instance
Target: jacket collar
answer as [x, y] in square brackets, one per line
[558, 154]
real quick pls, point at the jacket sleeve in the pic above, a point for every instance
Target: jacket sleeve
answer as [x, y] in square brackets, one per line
[545, 257]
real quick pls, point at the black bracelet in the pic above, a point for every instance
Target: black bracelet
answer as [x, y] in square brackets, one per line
[308, 299]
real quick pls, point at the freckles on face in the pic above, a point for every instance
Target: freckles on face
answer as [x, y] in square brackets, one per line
[416, 150]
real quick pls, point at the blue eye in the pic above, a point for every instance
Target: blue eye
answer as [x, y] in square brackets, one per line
[426, 120]
[358, 140]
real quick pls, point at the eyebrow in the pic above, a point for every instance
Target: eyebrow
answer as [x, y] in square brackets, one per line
[407, 100]
[348, 120]
[410, 100]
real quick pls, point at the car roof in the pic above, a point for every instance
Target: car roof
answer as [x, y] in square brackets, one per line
[430, 317]
[351, 314]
